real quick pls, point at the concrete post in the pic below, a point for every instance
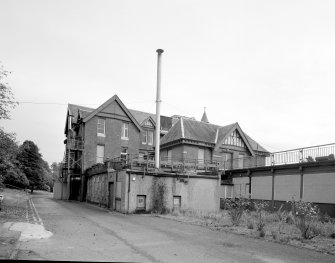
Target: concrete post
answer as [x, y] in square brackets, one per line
[158, 102]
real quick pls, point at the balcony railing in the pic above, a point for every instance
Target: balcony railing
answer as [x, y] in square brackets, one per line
[302, 155]
[307, 154]
[75, 143]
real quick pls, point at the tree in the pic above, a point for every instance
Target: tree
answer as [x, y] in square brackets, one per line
[47, 176]
[55, 171]
[7, 101]
[31, 164]
[10, 172]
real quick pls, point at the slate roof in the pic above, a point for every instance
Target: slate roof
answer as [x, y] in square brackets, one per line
[203, 132]
[140, 116]
[73, 110]
[255, 146]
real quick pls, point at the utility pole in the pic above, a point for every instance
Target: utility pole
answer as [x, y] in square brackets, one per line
[158, 103]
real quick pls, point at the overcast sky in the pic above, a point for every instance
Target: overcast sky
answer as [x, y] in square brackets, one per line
[268, 65]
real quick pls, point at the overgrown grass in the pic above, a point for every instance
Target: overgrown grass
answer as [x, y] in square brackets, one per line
[279, 226]
[13, 207]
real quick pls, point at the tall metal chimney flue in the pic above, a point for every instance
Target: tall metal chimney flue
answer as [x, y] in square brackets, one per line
[158, 105]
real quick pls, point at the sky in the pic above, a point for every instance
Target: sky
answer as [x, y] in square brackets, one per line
[268, 65]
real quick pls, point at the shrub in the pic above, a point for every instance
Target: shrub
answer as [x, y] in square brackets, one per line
[236, 207]
[250, 224]
[275, 235]
[306, 215]
[281, 217]
[262, 232]
[260, 207]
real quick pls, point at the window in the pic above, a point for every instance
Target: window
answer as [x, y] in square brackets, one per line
[240, 161]
[235, 139]
[201, 156]
[141, 200]
[145, 138]
[150, 138]
[169, 154]
[176, 202]
[101, 127]
[125, 129]
[100, 153]
[123, 153]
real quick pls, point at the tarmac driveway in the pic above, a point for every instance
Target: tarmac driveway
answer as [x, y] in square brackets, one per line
[82, 232]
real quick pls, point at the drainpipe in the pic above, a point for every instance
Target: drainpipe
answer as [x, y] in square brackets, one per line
[158, 102]
[128, 191]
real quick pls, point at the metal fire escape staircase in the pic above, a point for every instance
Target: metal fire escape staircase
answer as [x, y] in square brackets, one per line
[72, 160]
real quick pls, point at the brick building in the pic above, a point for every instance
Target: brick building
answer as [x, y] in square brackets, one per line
[97, 135]
[113, 131]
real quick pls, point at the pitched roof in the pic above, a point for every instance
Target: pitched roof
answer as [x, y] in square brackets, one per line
[256, 146]
[107, 103]
[73, 110]
[204, 132]
[140, 116]
[192, 130]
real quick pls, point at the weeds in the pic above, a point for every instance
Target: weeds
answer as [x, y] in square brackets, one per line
[236, 207]
[306, 215]
[260, 207]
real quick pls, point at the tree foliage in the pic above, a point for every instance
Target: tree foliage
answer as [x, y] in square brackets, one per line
[10, 168]
[55, 171]
[31, 163]
[7, 101]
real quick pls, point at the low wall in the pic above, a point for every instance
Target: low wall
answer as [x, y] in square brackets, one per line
[128, 191]
[193, 193]
[312, 182]
[57, 191]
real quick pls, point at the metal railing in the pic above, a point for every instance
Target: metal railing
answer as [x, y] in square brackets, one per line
[301, 155]
[75, 143]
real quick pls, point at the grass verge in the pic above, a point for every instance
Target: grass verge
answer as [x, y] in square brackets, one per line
[275, 229]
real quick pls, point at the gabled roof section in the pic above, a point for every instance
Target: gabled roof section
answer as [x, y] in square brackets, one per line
[73, 110]
[227, 132]
[140, 116]
[175, 133]
[107, 103]
[149, 119]
[190, 129]
[256, 146]
[208, 133]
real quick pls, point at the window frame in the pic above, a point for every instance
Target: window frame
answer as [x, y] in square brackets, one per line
[125, 131]
[104, 128]
[99, 157]
[150, 138]
[145, 138]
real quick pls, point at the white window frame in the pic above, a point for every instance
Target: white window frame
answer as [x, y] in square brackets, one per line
[100, 159]
[150, 137]
[124, 153]
[145, 139]
[125, 131]
[104, 127]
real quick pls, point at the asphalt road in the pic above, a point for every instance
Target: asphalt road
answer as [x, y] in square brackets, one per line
[82, 232]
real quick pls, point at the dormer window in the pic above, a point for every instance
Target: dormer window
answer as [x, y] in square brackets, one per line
[101, 127]
[125, 131]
